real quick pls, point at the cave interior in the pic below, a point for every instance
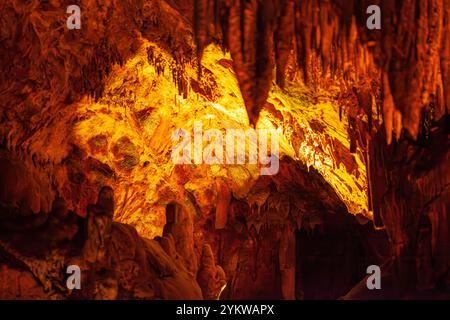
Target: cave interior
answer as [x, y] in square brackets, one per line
[88, 123]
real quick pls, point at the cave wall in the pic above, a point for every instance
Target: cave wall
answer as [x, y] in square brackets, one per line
[411, 183]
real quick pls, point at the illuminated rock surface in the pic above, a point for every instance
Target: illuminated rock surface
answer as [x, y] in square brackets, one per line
[96, 107]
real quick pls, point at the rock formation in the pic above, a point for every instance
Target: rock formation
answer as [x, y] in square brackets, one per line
[87, 125]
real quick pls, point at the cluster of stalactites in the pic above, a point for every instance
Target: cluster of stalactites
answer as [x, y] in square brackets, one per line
[415, 47]
[411, 52]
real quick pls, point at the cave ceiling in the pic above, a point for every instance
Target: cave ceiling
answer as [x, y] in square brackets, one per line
[143, 81]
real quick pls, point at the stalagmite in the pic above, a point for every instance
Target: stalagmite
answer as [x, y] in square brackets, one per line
[99, 220]
[211, 277]
[287, 263]
[223, 204]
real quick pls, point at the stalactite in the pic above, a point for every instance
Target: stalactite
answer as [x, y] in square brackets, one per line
[445, 62]
[251, 46]
[284, 38]
[202, 15]
[336, 30]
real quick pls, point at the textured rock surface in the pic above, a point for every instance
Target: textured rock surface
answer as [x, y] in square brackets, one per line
[411, 51]
[116, 262]
[83, 109]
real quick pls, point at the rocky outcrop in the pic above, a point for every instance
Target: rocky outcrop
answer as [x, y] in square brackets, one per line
[115, 262]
